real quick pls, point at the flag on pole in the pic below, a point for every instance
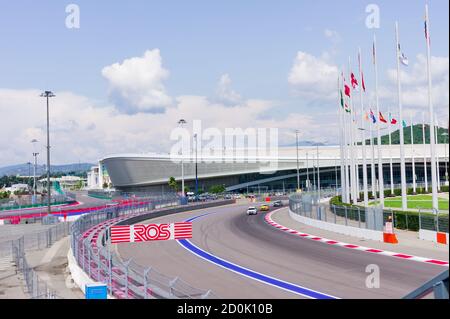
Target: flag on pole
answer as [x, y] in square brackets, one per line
[362, 75]
[372, 116]
[346, 89]
[347, 109]
[381, 117]
[404, 124]
[392, 120]
[366, 116]
[342, 99]
[426, 27]
[402, 57]
[354, 81]
[374, 54]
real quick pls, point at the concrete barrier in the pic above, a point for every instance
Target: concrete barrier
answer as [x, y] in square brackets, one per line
[78, 275]
[431, 235]
[340, 229]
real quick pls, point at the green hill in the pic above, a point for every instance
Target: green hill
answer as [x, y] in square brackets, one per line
[417, 132]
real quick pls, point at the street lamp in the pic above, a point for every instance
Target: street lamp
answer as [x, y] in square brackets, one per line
[298, 169]
[47, 95]
[35, 154]
[181, 123]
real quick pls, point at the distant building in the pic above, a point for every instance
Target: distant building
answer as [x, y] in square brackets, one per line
[97, 176]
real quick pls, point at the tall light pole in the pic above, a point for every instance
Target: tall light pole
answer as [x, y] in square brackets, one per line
[181, 123]
[318, 171]
[445, 158]
[307, 172]
[35, 154]
[196, 168]
[47, 95]
[298, 169]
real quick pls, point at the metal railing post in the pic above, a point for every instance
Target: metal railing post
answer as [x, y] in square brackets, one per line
[345, 209]
[146, 271]
[359, 217]
[334, 209]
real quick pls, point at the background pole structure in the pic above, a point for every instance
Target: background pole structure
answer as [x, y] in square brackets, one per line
[298, 168]
[308, 183]
[181, 123]
[412, 157]
[352, 151]
[341, 141]
[425, 169]
[318, 171]
[196, 167]
[346, 157]
[391, 170]
[402, 138]
[380, 157]
[434, 189]
[47, 95]
[366, 195]
[372, 169]
[437, 155]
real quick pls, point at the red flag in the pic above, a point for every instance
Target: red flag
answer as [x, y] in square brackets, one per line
[382, 119]
[354, 81]
[362, 82]
[347, 90]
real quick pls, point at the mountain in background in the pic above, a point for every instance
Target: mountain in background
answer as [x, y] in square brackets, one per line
[304, 143]
[27, 170]
[417, 132]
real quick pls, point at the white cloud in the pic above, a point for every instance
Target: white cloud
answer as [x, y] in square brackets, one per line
[414, 82]
[312, 77]
[225, 92]
[82, 130]
[137, 83]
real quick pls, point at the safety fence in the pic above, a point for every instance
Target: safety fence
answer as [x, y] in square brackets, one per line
[126, 278]
[372, 217]
[17, 249]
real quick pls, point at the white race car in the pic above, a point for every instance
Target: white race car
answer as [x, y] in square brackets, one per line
[252, 211]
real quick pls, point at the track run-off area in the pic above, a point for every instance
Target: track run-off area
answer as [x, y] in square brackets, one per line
[240, 256]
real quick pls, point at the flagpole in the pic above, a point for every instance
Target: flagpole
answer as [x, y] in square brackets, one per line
[434, 190]
[372, 168]
[437, 155]
[380, 157]
[412, 157]
[352, 153]
[424, 153]
[400, 114]
[347, 184]
[391, 171]
[366, 195]
[341, 144]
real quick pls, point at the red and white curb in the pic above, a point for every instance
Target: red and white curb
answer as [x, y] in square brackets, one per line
[269, 220]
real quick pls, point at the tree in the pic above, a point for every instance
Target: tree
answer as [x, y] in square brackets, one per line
[173, 184]
[217, 189]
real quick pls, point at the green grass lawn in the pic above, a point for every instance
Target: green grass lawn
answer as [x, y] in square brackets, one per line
[414, 202]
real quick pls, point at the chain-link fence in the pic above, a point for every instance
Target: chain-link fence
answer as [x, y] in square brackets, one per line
[126, 279]
[372, 217]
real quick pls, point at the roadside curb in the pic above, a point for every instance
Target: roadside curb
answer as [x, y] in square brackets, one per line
[268, 219]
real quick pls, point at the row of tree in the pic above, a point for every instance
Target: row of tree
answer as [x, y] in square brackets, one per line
[214, 189]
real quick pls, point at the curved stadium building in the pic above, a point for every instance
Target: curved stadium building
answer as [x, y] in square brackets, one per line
[150, 173]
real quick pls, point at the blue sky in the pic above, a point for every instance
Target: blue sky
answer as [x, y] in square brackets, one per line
[254, 42]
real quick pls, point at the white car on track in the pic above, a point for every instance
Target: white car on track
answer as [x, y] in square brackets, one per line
[252, 211]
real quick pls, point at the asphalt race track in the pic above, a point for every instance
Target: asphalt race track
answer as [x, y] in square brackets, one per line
[228, 233]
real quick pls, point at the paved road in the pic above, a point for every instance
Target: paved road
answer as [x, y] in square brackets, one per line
[249, 242]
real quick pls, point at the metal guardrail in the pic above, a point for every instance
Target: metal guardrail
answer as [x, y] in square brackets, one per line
[126, 279]
[17, 249]
[307, 204]
[438, 286]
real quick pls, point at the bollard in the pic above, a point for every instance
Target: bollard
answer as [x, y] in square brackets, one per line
[345, 209]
